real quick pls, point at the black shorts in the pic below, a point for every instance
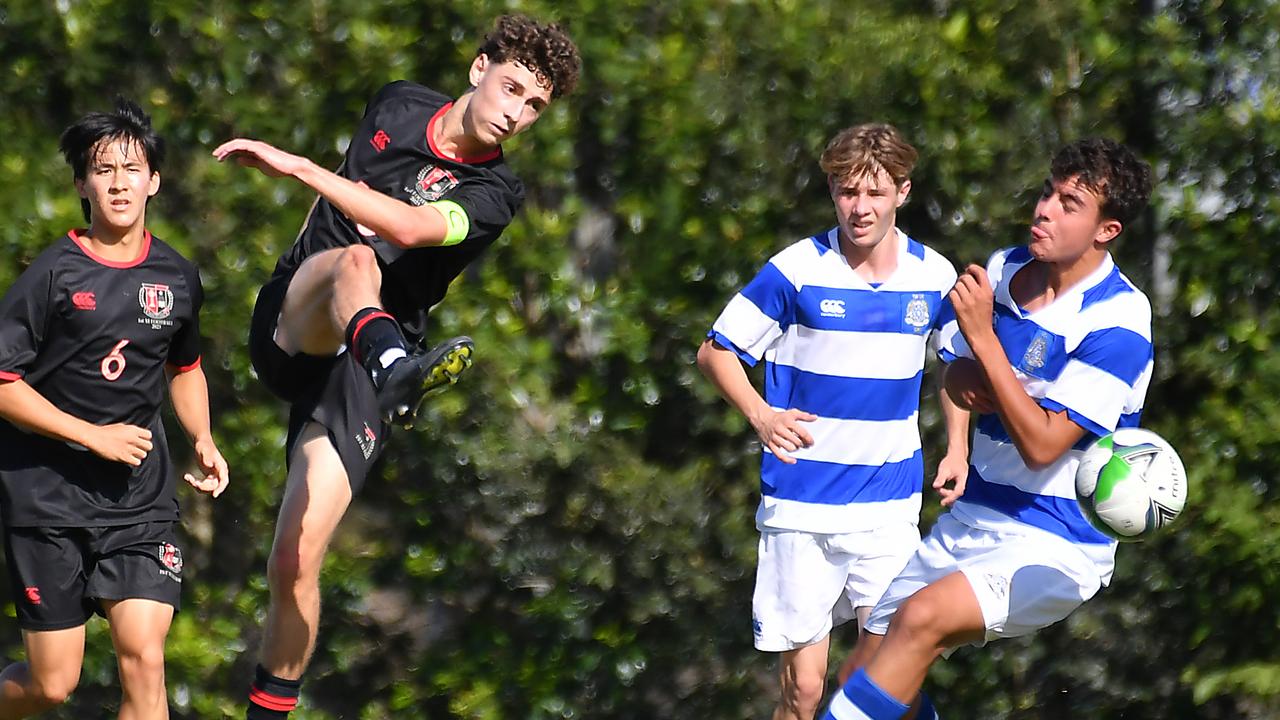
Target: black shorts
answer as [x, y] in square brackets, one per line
[60, 575]
[334, 392]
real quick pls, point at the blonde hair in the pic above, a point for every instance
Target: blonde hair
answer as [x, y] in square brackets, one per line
[866, 150]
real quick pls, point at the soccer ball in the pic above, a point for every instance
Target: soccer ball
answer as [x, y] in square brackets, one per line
[1130, 484]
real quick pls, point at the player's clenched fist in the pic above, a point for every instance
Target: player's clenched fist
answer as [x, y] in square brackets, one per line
[121, 442]
[782, 433]
[974, 301]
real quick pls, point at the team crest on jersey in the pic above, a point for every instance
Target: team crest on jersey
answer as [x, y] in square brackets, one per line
[171, 558]
[1037, 351]
[432, 184]
[156, 300]
[367, 441]
[917, 312]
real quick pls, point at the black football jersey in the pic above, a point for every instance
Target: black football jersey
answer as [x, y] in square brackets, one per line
[392, 152]
[93, 337]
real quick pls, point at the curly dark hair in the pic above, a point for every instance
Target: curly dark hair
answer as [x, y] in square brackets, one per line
[544, 49]
[1120, 178]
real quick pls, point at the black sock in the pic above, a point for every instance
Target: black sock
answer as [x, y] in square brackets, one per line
[270, 697]
[370, 334]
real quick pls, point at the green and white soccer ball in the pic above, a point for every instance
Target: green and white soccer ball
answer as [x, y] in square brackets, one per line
[1130, 484]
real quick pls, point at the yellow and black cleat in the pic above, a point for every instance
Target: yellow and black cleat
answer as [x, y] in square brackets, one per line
[448, 369]
[412, 378]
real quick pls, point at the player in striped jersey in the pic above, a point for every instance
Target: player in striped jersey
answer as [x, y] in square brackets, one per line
[841, 320]
[1052, 346]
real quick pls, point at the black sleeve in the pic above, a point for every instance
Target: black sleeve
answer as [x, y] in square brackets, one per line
[184, 350]
[396, 106]
[24, 318]
[362, 139]
[391, 89]
[490, 201]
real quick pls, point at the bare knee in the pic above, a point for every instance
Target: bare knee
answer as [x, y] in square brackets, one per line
[141, 667]
[51, 696]
[290, 571]
[53, 691]
[802, 691]
[920, 622]
[358, 263]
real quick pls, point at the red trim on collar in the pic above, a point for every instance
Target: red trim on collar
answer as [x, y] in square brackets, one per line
[431, 142]
[146, 249]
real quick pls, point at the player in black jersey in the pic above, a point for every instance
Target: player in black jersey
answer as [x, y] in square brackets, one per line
[422, 190]
[90, 334]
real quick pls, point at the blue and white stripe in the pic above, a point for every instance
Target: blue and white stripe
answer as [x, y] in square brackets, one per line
[862, 699]
[1088, 353]
[852, 355]
[842, 708]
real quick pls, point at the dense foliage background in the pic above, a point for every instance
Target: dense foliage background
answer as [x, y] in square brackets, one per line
[571, 536]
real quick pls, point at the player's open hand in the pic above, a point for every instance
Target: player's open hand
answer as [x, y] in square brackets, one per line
[953, 470]
[967, 386]
[271, 160]
[120, 442]
[782, 432]
[212, 465]
[974, 302]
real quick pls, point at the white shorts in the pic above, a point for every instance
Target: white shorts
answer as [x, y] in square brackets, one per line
[808, 583]
[1023, 581]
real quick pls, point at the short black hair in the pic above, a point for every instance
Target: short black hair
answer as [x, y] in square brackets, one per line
[127, 124]
[1120, 178]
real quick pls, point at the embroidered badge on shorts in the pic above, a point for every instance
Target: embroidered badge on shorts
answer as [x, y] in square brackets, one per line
[367, 441]
[998, 583]
[171, 560]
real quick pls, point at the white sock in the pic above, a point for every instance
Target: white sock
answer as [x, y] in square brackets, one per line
[391, 355]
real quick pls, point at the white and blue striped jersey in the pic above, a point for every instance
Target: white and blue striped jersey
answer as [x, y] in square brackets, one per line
[853, 355]
[1088, 353]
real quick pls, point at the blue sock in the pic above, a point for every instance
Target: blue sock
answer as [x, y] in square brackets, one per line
[927, 710]
[861, 699]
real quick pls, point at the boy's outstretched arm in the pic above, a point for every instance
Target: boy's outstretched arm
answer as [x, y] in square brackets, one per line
[189, 392]
[25, 407]
[1040, 435]
[781, 431]
[397, 222]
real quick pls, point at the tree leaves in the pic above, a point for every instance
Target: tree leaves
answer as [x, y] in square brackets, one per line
[571, 534]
